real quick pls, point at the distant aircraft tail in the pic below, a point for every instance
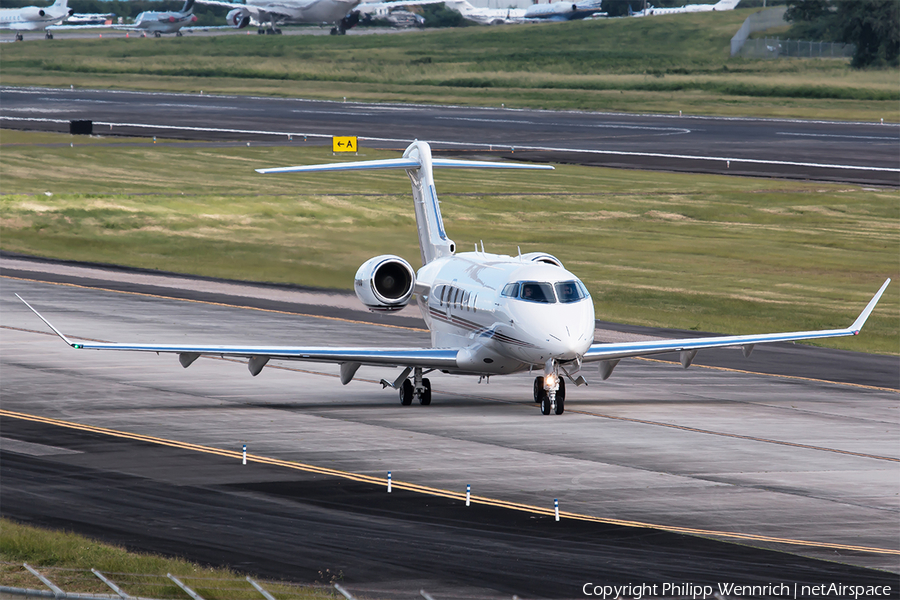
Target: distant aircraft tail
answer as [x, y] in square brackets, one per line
[726, 4]
[417, 160]
[61, 4]
[189, 6]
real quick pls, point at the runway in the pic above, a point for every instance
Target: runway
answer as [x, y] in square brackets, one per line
[802, 460]
[867, 153]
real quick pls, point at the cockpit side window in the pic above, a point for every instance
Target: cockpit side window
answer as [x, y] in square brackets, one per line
[570, 291]
[534, 291]
[510, 290]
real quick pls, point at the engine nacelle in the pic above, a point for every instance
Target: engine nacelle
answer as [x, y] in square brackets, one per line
[238, 18]
[385, 283]
[32, 13]
[543, 257]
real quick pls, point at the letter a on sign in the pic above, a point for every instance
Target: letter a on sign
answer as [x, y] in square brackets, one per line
[344, 144]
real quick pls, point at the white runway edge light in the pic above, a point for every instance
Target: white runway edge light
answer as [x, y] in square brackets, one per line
[556, 508]
[468, 493]
[389, 482]
[244, 460]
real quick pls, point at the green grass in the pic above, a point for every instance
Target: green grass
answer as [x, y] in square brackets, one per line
[713, 253]
[592, 65]
[66, 559]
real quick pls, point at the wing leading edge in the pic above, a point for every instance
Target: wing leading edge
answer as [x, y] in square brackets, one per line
[689, 346]
[430, 358]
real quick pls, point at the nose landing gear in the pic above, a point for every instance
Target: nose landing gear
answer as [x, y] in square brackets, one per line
[550, 393]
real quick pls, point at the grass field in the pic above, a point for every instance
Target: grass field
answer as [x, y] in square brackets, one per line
[66, 559]
[661, 64]
[712, 253]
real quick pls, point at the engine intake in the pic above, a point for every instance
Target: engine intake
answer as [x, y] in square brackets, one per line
[543, 257]
[385, 283]
[238, 18]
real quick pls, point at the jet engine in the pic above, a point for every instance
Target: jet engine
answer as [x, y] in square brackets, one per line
[543, 257]
[385, 283]
[238, 18]
[32, 13]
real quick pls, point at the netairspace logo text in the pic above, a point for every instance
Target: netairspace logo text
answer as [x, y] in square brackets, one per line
[701, 592]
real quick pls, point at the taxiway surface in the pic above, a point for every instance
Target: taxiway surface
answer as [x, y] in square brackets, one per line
[827, 151]
[717, 450]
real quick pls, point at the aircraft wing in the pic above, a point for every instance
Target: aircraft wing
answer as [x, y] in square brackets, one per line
[688, 347]
[430, 358]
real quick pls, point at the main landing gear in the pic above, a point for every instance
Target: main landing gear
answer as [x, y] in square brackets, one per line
[551, 401]
[419, 387]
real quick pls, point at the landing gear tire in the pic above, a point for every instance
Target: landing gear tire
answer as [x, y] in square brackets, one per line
[560, 404]
[538, 389]
[334, 31]
[406, 393]
[157, 34]
[425, 396]
[178, 34]
[49, 36]
[19, 37]
[546, 405]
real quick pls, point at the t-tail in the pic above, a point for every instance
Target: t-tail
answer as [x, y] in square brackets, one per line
[419, 165]
[188, 6]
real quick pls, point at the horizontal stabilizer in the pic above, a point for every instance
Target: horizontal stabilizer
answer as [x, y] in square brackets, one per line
[449, 163]
[402, 163]
[363, 165]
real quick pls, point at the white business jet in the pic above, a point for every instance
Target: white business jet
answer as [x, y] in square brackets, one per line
[34, 18]
[489, 314]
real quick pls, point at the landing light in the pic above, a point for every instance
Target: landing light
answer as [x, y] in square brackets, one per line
[550, 380]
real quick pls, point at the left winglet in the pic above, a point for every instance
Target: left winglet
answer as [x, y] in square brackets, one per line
[861, 319]
[55, 330]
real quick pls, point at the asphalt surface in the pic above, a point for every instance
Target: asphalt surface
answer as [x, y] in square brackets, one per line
[262, 520]
[717, 450]
[866, 153]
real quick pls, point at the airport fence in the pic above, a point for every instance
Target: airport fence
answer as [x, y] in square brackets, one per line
[19, 580]
[778, 48]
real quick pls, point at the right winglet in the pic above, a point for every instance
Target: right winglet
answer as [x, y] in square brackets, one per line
[861, 319]
[55, 330]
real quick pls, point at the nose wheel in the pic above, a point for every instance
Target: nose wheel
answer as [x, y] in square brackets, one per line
[551, 401]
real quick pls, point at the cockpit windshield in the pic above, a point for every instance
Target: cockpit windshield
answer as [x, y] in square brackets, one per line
[571, 291]
[535, 291]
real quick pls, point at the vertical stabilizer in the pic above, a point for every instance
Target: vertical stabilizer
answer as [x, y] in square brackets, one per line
[433, 241]
[188, 6]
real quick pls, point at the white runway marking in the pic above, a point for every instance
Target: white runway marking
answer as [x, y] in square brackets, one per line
[830, 135]
[728, 159]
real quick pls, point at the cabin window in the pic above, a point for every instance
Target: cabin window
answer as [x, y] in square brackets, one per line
[535, 291]
[570, 291]
[510, 290]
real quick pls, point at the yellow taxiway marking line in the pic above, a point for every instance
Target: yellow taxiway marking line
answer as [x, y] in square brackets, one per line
[344, 320]
[400, 485]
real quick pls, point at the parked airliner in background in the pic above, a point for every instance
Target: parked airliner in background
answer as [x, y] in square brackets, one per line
[34, 18]
[486, 16]
[488, 314]
[340, 13]
[160, 22]
[562, 11]
[687, 8]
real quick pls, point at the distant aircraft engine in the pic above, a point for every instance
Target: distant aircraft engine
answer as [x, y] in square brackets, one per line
[32, 13]
[385, 283]
[542, 257]
[239, 18]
